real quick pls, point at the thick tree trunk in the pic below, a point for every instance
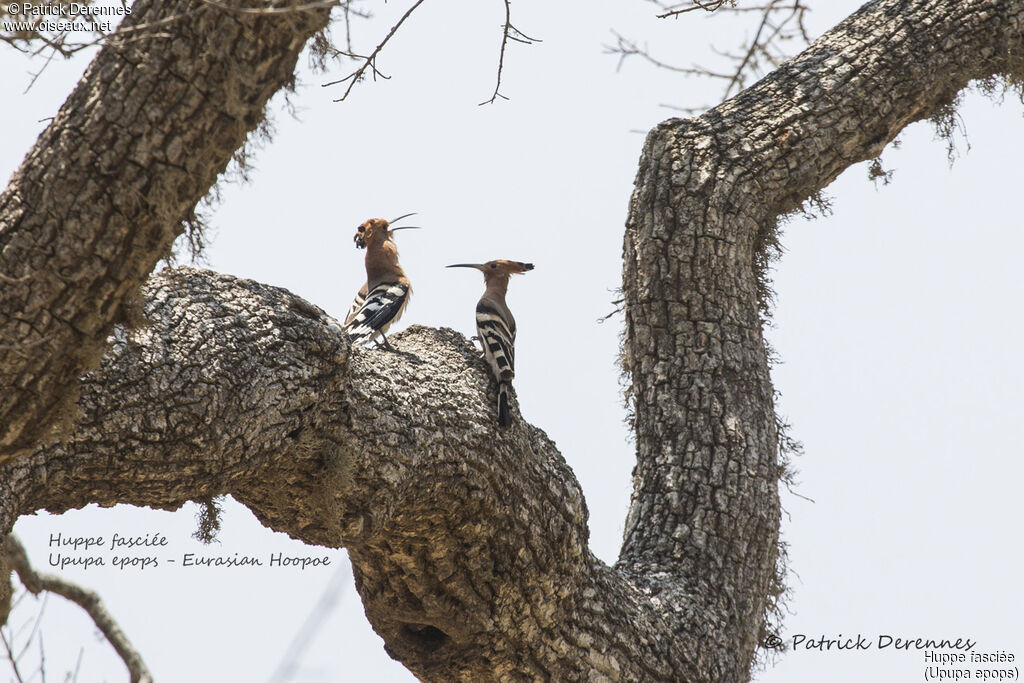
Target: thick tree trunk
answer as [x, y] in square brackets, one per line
[101, 196]
[469, 544]
[705, 511]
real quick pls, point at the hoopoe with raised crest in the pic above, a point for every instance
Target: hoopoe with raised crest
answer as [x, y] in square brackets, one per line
[382, 300]
[496, 326]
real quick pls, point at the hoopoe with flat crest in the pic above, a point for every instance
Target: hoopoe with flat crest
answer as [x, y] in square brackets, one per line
[382, 300]
[496, 327]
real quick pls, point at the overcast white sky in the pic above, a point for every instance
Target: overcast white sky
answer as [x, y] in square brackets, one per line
[899, 321]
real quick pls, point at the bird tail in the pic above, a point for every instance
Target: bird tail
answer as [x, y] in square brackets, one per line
[504, 416]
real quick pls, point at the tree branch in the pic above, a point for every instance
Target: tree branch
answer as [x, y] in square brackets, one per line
[700, 234]
[370, 61]
[469, 544]
[89, 601]
[764, 46]
[508, 32]
[672, 9]
[465, 539]
[625, 48]
[137, 144]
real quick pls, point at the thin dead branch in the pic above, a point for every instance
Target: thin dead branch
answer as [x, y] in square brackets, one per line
[348, 12]
[88, 600]
[9, 649]
[780, 21]
[322, 49]
[673, 9]
[370, 61]
[509, 32]
[625, 48]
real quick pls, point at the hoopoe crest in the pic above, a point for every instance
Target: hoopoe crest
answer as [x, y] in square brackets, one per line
[496, 327]
[383, 298]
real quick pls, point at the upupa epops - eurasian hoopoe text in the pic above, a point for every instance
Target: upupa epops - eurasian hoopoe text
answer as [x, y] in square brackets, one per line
[382, 300]
[496, 326]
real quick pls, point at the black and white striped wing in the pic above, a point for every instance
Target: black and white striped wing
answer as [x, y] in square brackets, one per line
[497, 335]
[357, 303]
[383, 305]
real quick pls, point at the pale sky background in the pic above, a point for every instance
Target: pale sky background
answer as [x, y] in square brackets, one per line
[899, 322]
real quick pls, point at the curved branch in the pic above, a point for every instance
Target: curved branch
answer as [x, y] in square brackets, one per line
[772, 31]
[846, 97]
[370, 61]
[36, 582]
[468, 542]
[701, 229]
[102, 194]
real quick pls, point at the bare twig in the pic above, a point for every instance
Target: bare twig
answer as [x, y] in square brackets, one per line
[322, 47]
[88, 600]
[369, 62]
[740, 75]
[619, 308]
[11, 657]
[625, 47]
[35, 626]
[36, 75]
[347, 13]
[672, 9]
[696, 5]
[509, 32]
[780, 21]
[42, 658]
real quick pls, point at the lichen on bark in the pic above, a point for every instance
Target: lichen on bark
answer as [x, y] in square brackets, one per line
[469, 544]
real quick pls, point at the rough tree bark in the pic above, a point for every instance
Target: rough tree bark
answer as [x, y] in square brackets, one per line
[105, 190]
[709, 192]
[469, 545]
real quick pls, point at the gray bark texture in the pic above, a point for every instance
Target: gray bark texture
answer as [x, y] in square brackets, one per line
[469, 543]
[103, 193]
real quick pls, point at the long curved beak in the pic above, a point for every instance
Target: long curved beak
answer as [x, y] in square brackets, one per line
[406, 227]
[395, 220]
[478, 266]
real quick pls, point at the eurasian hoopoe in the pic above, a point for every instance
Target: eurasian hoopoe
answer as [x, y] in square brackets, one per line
[387, 291]
[497, 327]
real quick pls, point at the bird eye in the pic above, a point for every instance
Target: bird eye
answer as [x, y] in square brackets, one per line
[494, 265]
[361, 229]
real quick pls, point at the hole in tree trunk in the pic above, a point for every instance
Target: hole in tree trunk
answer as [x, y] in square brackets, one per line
[425, 637]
